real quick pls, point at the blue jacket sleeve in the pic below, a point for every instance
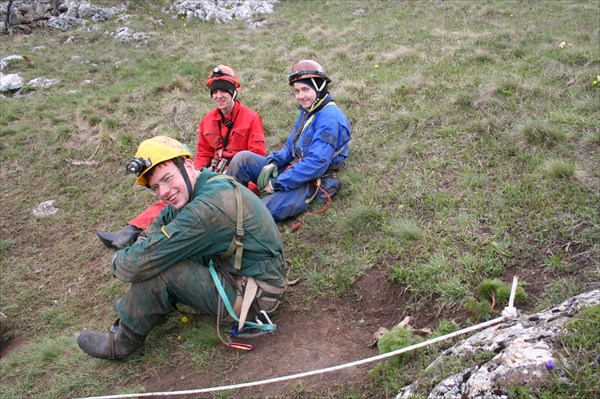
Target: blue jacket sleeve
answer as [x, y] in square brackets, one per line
[282, 157]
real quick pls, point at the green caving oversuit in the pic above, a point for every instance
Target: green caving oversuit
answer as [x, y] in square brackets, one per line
[169, 263]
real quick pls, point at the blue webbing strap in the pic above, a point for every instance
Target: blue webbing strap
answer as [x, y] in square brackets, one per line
[213, 273]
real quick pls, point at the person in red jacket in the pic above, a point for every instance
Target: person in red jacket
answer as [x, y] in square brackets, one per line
[223, 132]
[229, 128]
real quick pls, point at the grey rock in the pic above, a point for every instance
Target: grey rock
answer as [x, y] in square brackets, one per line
[64, 23]
[42, 82]
[10, 82]
[219, 10]
[45, 209]
[65, 15]
[522, 345]
[127, 35]
[4, 62]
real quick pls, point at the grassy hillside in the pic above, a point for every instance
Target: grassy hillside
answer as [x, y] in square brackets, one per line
[475, 155]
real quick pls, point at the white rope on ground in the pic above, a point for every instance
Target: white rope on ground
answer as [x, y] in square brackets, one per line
[327, 369]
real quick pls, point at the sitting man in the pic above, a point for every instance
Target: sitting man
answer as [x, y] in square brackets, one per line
[223, 132]
[316, 150]
[209, 220]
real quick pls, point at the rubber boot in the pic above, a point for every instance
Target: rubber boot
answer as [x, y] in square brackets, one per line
[119, 239]
[120, 343]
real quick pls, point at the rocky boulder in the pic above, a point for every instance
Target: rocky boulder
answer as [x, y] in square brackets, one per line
[520, 353]
[219, 10]
[22, 16]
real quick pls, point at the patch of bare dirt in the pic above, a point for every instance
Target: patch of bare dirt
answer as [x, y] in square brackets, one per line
[327, 333]
[330, 333]
[8, 345]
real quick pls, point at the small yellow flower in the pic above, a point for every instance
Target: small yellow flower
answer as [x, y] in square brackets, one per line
[376, 66]
[184, 319]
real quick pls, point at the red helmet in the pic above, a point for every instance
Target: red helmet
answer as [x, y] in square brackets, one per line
[307, 69]
[223, 72]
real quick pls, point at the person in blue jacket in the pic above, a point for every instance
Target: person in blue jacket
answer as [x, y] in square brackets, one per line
[307, 166]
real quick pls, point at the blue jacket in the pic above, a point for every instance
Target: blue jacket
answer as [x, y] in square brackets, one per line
[322, 144]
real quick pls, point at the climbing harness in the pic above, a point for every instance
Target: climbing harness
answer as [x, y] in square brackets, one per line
[219, 164]
[243, 325]
[223, 296]
[253, 290]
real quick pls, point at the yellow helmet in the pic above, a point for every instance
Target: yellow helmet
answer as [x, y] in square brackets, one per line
[152, 152]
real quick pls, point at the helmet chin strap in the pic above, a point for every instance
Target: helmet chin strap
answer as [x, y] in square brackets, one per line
[186, 178]
[319, 89]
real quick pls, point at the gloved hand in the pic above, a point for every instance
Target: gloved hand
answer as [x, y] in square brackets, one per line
[267, 172]
[268, 189]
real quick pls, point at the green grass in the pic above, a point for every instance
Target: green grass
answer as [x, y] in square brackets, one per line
[474, 157]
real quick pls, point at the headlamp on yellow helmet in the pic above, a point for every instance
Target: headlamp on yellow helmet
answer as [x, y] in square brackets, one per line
[152, 152]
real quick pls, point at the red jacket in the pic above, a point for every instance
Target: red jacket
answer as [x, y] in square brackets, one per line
[247, 133]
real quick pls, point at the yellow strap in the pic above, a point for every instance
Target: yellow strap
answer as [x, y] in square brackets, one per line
[318, 183]
[313, 115]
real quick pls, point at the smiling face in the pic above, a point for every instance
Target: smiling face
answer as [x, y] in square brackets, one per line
[305, 95]
[167, 183]
[223, 101]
